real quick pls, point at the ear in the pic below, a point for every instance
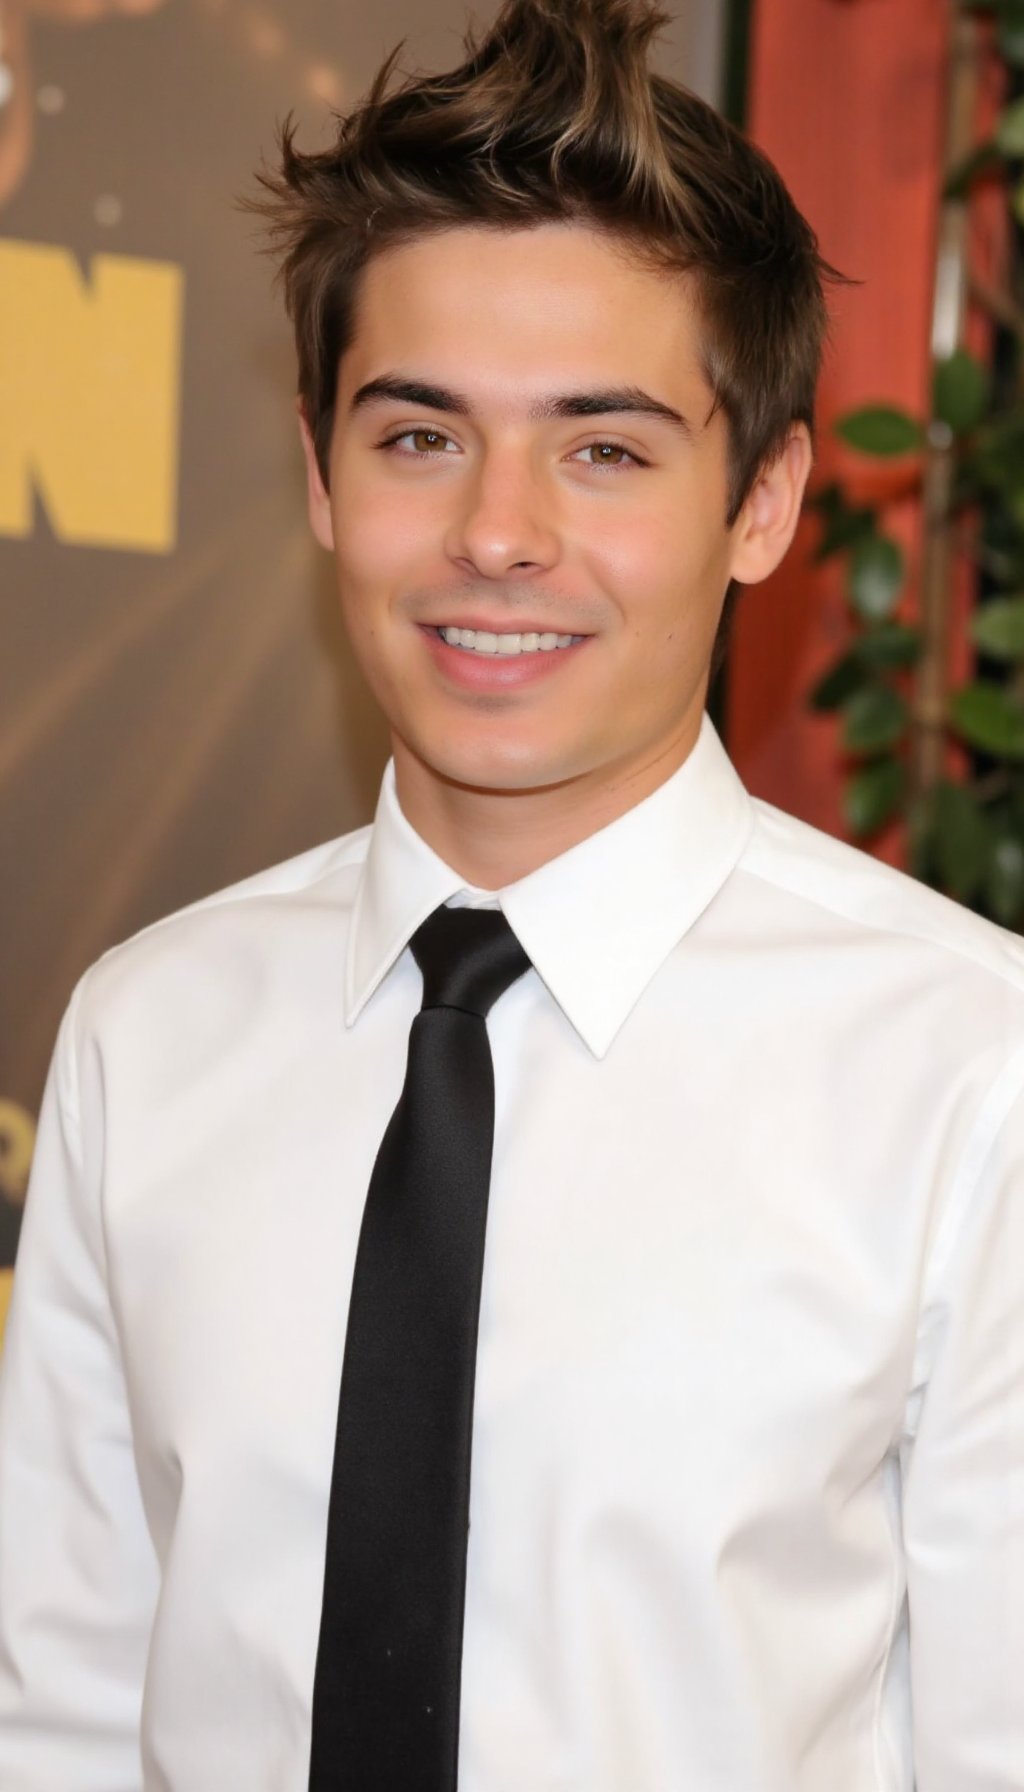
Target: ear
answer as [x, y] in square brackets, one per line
[320, 520]
[766, 524]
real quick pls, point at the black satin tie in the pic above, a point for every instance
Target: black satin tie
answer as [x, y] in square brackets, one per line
[389, 1661]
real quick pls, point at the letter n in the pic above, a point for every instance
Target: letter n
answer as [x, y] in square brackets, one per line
[90, 377]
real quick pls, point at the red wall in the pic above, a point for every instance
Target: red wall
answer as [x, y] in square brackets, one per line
[848, 99]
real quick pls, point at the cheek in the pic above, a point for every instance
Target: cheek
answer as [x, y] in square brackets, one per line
[669, 582]
[373, 535]
[666, 569]
[381, 526]
[378, 557]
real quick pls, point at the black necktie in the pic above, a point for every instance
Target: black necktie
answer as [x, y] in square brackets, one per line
[389, 1661]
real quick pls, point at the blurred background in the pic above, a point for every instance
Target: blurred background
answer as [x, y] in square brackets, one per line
[177, 704]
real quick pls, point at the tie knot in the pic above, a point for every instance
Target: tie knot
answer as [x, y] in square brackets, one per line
[468, 956]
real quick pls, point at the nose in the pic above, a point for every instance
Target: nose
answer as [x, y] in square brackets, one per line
[504, 517]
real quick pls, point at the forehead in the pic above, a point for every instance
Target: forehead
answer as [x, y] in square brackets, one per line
[506, 312]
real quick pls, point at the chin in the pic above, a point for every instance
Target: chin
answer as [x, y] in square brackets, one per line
[501, 769]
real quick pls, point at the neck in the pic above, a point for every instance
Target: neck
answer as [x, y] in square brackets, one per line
[494, 837]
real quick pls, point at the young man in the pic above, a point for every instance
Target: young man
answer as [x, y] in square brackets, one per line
[706, 1472]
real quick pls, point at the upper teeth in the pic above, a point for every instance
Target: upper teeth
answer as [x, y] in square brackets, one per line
[482, 642]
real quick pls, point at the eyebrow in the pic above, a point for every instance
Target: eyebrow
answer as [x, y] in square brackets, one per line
[605, 402]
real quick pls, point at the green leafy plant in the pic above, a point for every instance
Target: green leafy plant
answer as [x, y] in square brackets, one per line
[898, 713]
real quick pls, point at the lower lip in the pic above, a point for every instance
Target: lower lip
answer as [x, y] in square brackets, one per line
[497, 671]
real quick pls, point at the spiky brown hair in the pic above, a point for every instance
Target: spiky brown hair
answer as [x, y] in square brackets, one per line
[555, 115]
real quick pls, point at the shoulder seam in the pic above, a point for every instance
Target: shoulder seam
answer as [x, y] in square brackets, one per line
[237, 892]
[989, 1122]
[67, 1086]
[895, 926]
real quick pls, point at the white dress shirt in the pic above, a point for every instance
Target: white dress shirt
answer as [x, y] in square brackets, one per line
[747, 1508]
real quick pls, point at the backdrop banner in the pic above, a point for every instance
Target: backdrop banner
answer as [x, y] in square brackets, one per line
[178, 705]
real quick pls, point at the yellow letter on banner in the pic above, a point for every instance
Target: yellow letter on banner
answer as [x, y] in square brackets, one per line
[90, 374]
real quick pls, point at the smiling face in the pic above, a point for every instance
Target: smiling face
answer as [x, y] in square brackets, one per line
[469, 488]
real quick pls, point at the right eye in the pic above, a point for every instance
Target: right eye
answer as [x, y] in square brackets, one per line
[421, 435]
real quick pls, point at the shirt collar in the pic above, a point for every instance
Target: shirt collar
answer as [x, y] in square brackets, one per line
[598, 920]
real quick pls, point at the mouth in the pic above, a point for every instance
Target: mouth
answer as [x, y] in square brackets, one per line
[481, 661]
[505, 645]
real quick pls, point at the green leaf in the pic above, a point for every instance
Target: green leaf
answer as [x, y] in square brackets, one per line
[960, 391]
[998, 628]
[919, 836]
[873, 795]
[873, 718]
[983, 160]
[880, 429]
[1004, 883]
[874, 577]
[843, 524]
[961, 841]
[1013, 812]
[1017, 201]
[839, 683]
[986, 717]
[1010, 32]
[889, 644]
[1009, 131]
[996, 456]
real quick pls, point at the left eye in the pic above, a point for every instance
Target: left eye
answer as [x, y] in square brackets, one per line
[616, 448]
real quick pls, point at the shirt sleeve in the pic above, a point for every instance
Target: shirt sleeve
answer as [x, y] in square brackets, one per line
[77, 1567]
[963, 1473]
